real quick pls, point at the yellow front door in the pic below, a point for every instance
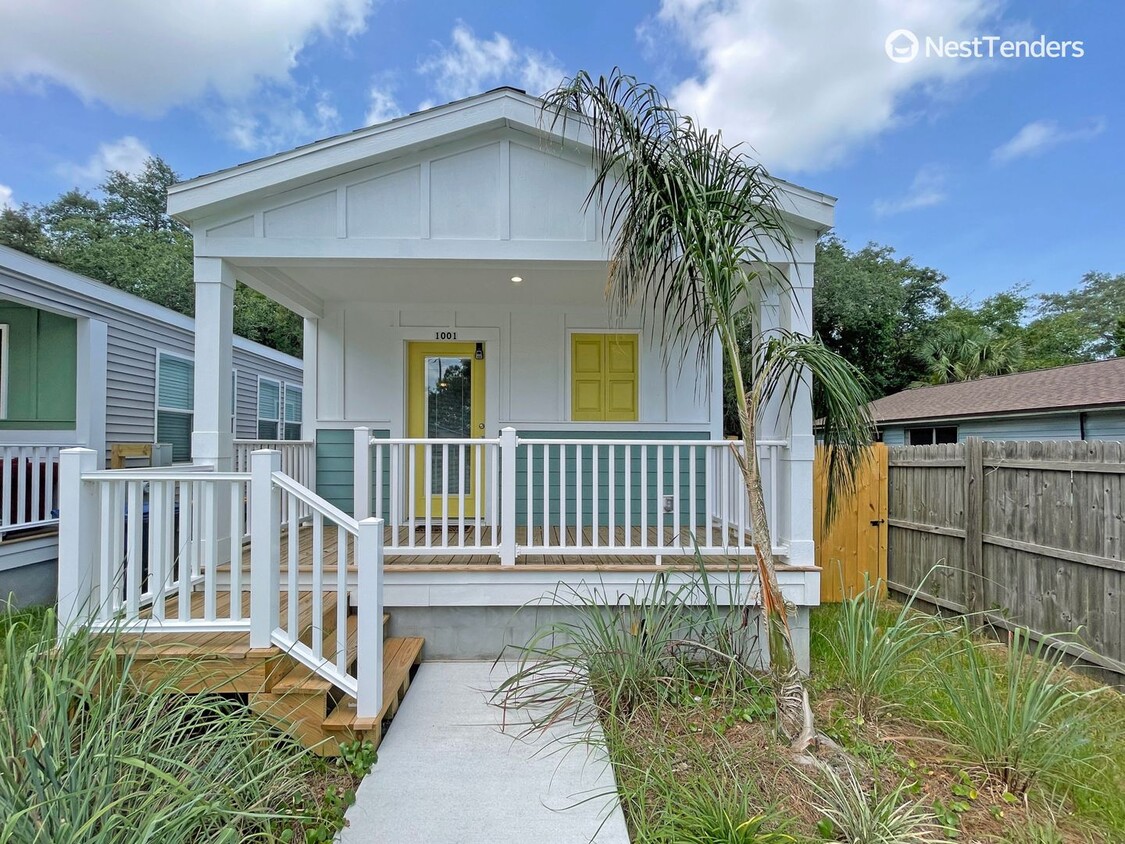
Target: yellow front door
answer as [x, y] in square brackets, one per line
[445, 400]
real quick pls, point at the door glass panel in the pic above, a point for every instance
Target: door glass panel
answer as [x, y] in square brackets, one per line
[449, 414]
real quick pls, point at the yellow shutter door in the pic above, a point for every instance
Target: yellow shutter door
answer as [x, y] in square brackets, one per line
[587, 371]
[621, 377]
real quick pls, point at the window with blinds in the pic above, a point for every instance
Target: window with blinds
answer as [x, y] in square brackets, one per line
[175, 391]
[293, 399]
[269, 409]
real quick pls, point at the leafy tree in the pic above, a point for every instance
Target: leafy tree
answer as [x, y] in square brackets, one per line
[126, 239]
[20, 230]
[694, 218]
[877, 311]
[1100, 299]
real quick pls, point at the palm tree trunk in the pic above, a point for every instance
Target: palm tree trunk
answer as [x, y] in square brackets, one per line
[791, 697]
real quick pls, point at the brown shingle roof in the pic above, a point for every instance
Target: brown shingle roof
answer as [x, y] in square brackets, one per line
[1080, 385]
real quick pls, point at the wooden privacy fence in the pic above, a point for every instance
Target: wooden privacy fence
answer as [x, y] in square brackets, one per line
[1025, 533]
[855, 543]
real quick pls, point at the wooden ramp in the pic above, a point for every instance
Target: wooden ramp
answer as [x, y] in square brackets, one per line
[275, 685]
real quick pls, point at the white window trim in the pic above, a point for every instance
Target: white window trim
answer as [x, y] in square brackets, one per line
[156, 408]
[4, 331]
[234, 402]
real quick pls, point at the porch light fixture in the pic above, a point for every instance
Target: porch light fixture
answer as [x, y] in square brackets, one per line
[516, 279]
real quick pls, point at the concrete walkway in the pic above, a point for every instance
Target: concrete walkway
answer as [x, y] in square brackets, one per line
[447, 773]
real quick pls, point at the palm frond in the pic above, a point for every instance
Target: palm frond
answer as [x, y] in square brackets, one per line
[785, 361]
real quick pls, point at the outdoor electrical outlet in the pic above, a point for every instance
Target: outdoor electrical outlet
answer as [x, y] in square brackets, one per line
[667, 504]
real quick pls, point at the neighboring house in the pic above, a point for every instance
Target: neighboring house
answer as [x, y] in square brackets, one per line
[82, 363]
[1084, 401]
[466, 382]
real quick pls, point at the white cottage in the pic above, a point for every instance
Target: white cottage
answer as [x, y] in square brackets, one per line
[466, 383]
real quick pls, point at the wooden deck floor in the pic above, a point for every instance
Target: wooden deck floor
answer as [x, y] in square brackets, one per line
[599, 555]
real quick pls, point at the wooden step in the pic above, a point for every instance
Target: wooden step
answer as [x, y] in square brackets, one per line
[400, 655]
[304, 680]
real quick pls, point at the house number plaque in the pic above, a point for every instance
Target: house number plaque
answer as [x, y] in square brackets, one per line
[445, 335]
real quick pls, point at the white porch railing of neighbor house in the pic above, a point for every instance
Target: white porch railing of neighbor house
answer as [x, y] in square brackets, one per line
[151, 550]
[297, 461]
[29, 493]
[513, 496]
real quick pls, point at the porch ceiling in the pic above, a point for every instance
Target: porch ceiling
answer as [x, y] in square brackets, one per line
[429, 281]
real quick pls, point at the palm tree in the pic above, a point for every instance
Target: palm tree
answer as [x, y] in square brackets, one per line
[694, 224]
[966, 352]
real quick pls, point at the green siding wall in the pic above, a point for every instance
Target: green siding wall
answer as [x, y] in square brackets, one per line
[335, 474]
[620, 482]
[335, 467]
[42, 369]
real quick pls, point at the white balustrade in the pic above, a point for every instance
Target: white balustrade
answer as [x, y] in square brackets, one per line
[140, 550]
[297, 461]
[436, 494]
[514, 496]
[29, 486]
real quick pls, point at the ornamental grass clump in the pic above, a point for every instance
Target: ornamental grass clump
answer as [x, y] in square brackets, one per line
[1017, 715]
[857, 815]
[647, 647]
[873, 650]
[88, 755]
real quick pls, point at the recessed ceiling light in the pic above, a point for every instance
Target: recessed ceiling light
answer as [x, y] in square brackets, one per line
[516, 279]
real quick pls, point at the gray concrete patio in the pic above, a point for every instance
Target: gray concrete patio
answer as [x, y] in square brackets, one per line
[448, 773]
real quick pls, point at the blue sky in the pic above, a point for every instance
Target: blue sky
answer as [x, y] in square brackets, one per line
[996, 171]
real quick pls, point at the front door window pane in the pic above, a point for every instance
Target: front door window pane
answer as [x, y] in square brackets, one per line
[449, 415]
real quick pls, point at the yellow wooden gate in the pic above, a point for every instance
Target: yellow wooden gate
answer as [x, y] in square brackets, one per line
[855, 543]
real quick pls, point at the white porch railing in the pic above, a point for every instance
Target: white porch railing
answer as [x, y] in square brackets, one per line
[297, 461]
[29, 493]
[151, 550]
[513, 496]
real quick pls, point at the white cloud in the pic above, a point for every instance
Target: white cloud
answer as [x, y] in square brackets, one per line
[143, 57]
[806, 86]
[277, 118]
[927, 189]
[127, 154]
[470, 65]
[1040, 135]
[381, 104]
[6, 200]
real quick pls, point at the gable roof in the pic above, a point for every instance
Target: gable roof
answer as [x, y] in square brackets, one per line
[1081, 385]
[208, 194]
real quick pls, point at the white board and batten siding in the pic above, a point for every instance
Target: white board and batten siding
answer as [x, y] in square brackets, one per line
[360, 372]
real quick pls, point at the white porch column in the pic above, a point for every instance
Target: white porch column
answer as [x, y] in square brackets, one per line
[790, 418]
[796, 478]
[212, 442]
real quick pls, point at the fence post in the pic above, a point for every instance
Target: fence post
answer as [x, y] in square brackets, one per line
[265, 547]
[78, 536]
[508, 443]
[369, 598]
[361, 480]
[974, 524]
